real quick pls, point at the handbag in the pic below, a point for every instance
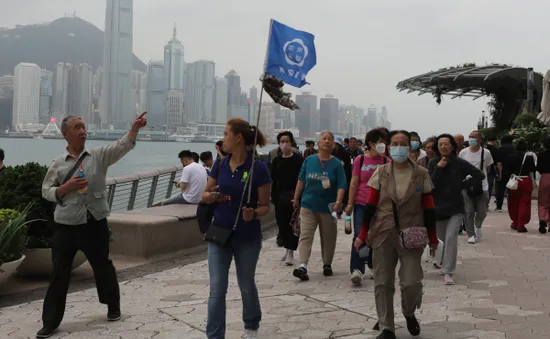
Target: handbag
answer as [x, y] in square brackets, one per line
[295, 222]
[222, 235]
[414, 237]
[205, 212]
[513, 182]
[477, 190]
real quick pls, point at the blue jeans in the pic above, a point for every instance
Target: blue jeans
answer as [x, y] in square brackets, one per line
[219, 260]
[175, 199]
[355, 262]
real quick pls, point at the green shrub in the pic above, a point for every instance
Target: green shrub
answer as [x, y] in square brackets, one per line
[21, 186]
[13, 227]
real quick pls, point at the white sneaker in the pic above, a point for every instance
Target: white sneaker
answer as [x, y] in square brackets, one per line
[472, 239]
[478, 233]
[289, 260]
[448, 279]
[250, 334]
[356, 278]
[368, 273]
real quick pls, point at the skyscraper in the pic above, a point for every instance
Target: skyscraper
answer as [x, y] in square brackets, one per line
[46, 91]
[328, 114]
[174, 63]
[26, 96]
[174, 109]
[60, 90]
[117, 64]
[156, 94]
[6, 102]
[79, 98]
[307, 117]
[220, 102]
[372, 117]
[199, 94]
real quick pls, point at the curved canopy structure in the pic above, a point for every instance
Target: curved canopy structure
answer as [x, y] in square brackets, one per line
[474, 81]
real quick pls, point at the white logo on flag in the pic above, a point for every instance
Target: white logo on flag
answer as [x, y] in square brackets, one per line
[295, 52]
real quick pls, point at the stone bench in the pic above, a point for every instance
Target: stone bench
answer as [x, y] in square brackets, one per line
[147, 232]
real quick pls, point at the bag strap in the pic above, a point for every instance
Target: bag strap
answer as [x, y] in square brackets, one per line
[522, 163]
[75, 167]
[395, 215]
[242, 198]
[482, 158]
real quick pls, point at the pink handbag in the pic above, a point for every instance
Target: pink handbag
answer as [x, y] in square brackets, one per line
[414, 237]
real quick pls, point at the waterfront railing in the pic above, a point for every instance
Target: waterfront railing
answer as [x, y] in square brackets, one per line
[142, 190]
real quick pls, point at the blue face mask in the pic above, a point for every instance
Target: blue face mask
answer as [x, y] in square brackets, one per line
[399, 154]
[415, 145]
[472, 142]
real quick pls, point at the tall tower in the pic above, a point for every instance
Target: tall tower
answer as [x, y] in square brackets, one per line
[116, 101]
[174, 63]
[26, 96]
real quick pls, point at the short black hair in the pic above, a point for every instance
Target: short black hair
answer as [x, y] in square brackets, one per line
[346, 140]
[373, 136]
[288, 134]
[353, 138]
[522, 145]
[415, 134]
[205, 156]
[2, 154]
[185, 154]
[507, 139]
[451, 140]
[195, 156]
[492, 138]
[310, 142]
[219, 143]
[394, 133]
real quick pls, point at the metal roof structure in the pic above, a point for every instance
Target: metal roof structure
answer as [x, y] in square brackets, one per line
[471, 81]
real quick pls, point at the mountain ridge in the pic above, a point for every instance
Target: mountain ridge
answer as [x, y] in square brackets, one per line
[67, 39]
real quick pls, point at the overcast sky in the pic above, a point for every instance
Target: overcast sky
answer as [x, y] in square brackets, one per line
[364, 47]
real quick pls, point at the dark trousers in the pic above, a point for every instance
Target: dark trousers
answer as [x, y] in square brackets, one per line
[491, 178]
[500, 192]
[93, 239]
[283, 215]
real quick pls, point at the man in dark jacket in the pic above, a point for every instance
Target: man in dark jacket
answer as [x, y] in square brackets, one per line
[506, 151]
[341, 153]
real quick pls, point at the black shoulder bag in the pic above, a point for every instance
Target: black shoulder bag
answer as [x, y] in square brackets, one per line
[222, 235]
[477, 190]
[71, 173]
[205, 212]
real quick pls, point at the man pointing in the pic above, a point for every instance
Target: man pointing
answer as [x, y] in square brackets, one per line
[76, 181]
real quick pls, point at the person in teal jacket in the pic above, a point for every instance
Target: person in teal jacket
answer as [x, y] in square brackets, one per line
[321, 182]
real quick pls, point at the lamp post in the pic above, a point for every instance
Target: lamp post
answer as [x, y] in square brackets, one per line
[530, 86]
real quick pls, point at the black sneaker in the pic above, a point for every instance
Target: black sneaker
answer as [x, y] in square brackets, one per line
[45, 332]
[386, 334]
[412, 325]
[376, 327]
[113, 314]
[301, 273]
[542, 226]
[327, 271]
[514, 227]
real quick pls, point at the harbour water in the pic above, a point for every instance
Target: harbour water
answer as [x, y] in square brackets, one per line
[146, 156]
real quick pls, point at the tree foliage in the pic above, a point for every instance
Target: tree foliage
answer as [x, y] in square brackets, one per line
[527, 127]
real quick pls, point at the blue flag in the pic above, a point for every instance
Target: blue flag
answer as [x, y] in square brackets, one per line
[290, 55]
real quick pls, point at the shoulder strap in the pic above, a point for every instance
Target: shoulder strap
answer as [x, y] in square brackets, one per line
[482, 157]
[395, 214]
[522, 163]
[385, 159]
[75, 167]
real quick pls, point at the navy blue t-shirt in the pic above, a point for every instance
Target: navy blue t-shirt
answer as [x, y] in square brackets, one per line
[232, 184]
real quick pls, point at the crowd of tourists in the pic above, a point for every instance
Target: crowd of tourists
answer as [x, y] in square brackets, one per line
[376, 185]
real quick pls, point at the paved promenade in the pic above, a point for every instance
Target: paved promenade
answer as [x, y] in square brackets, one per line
[502, 291]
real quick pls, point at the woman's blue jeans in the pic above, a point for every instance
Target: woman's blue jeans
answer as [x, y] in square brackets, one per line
[355, 262]
[246, 256]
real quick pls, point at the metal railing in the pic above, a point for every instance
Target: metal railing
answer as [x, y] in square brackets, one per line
[141, 190]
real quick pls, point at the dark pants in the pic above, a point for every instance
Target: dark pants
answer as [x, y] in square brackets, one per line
[93, 239]
[283, 215]
[491, 178]
[355, 262]
[500, 192]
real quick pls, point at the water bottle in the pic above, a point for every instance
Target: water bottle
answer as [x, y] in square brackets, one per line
[83, 190]
[347, 224]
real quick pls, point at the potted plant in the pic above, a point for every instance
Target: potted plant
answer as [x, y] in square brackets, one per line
[13, 227]
[19, 187]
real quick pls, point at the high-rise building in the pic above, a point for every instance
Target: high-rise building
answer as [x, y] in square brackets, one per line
[60, 95]
[46, 91]
[199, 92]
[174, 63]
[175, 114]
[6, 102]
[372, 117]
[307, 117]
[156, 94]
[254, 100]
[139, 90]
[267, 118]
[220, 102]
[6, 86]
[26, 96]
[328, 114]
[236, 103]
[116, 99]
[79, 98]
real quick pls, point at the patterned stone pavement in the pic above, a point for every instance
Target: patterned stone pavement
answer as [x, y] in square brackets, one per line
[502, 291]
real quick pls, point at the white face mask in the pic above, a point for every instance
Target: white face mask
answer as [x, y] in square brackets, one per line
[381, 148]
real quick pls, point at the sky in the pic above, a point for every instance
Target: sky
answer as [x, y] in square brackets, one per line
[364, 47]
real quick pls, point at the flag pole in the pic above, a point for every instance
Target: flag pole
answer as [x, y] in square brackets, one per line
[258, 115]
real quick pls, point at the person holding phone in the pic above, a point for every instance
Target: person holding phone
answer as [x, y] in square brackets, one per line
[450, 175]
[192, 183]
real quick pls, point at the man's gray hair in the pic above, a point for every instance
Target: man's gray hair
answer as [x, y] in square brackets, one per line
[66, 120]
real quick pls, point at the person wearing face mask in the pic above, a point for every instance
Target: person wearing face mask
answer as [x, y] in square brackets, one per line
[449, 173]
[363, 168]
[192, 182]
[284, 175]
[416, 153]
[476, 198]
[399, 197]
